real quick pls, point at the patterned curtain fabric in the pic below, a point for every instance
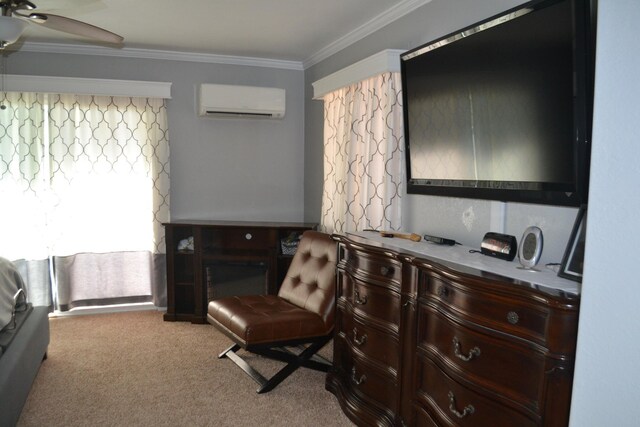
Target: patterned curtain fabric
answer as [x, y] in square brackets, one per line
[88, 176]
[364, 156]
[23, 182]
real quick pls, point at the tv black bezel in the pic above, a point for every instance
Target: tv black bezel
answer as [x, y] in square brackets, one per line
[507, 191]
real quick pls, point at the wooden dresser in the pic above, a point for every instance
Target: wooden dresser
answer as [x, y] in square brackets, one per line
[430, 335]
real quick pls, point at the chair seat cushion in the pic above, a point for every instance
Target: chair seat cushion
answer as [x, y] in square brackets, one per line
[257, 319]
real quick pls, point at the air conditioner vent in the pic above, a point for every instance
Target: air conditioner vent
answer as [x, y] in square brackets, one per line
[241, 101]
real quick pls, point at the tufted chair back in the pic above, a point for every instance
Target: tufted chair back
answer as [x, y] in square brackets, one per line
[310, 282]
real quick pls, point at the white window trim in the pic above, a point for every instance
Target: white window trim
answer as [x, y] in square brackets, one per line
[83, 86]
[382, 62]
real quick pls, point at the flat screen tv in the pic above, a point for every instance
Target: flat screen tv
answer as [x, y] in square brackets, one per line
[501, 110]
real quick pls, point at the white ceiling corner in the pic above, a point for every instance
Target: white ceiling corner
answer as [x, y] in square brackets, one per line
[390, 15]
[288, 34]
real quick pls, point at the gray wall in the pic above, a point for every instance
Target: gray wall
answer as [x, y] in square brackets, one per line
[605, 390]
[237, 169]
[462, 219]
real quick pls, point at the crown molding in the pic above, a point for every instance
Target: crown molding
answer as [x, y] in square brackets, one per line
[167, 55]
[396, 12]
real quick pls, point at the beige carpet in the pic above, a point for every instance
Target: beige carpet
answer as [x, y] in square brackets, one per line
[135, 369]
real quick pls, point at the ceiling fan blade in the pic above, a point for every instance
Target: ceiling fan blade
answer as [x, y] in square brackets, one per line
[68, 25]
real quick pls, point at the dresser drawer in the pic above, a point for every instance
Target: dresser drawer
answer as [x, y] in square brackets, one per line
[452, 404]
[422, 418]
[509, 368]
[385, 271]
[517, 317]
[379, 347]
[376, 304]
[371, 385]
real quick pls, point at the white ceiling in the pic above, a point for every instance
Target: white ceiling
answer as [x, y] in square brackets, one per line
[287, 30]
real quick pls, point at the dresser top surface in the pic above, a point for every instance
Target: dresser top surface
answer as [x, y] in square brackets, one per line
[458, 257]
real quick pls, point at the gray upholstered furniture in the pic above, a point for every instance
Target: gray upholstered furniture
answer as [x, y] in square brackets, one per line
[24, 338]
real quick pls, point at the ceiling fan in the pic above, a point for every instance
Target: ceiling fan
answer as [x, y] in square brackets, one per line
[16, 14]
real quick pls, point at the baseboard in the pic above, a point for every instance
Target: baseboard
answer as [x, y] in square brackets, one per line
[105, 309]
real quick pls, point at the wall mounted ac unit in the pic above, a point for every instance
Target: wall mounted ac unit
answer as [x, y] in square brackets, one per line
[241, 101]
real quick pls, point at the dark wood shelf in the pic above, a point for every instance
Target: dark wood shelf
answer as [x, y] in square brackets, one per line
[234, 255]
[225, 243]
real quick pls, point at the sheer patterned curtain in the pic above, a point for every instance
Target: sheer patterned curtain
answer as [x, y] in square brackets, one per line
[101, 182]
[364, 156]
[23, 191]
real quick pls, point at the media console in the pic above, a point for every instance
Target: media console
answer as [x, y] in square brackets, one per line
[223, 258]
[431, 335]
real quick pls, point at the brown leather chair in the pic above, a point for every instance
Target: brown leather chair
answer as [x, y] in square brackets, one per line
[301, 315]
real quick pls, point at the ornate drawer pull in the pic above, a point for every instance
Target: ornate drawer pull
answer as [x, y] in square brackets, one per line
[442, 291]
[358, 300]
[468, 410]
[474, 352]
[512, 317]
[361, 340]
[357, 381]
[384, 270]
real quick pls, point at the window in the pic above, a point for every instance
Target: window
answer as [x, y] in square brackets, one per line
[84, 181]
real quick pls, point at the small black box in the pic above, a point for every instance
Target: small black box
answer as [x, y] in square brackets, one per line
[498, 245]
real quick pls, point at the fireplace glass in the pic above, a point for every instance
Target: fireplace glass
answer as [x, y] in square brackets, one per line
[224, 279]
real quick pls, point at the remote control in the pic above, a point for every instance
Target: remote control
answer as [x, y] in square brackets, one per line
[439, 240]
